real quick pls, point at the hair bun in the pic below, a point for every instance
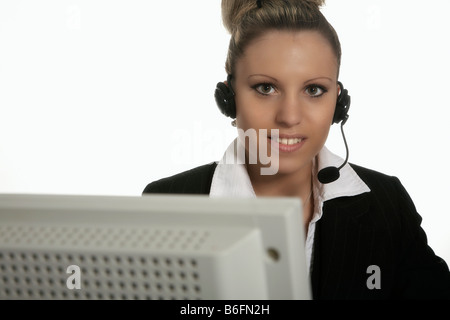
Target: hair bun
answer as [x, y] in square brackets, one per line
[234, 10]
[318, 3]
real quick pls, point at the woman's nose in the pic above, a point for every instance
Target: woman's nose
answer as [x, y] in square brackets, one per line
[289, 112]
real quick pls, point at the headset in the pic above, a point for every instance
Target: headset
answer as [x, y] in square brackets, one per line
[224, 96]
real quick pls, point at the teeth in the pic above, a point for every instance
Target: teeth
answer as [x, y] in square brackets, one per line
[289, 141]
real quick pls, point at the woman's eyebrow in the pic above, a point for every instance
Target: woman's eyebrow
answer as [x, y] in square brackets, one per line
[319, 78]
[261, 75]
[307, 81]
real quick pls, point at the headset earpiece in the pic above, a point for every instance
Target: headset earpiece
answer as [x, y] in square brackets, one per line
[224, 96]
[342, 105]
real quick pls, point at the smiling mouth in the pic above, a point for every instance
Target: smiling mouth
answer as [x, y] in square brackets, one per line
[287, 145]
[288, 141]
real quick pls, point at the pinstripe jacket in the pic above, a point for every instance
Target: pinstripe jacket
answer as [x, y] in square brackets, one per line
[378, 228]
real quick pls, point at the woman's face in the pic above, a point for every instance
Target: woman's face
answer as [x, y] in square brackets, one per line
[287, 80]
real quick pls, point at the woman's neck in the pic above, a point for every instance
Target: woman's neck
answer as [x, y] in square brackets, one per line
[296, 184]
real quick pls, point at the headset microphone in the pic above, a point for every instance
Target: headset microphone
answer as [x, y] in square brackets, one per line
[330, 174]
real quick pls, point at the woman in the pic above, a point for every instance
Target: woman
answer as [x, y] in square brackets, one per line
[283, 68]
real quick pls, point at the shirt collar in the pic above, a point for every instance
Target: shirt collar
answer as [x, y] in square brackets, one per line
[231, 179]
[348, 184]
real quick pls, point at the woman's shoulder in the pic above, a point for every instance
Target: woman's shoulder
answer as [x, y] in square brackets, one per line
[388, 192]
[386, 188]
[375, 179]
[369, 173]
[193, 181]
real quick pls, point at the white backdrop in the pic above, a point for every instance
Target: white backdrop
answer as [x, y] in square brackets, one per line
[105, 96]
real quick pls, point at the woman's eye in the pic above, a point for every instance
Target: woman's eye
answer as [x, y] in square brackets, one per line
[315, 91]
[265, 88]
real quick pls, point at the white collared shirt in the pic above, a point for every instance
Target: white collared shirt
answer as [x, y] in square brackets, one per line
[231, 179]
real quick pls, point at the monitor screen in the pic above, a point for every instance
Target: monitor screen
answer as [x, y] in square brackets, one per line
[151, 247]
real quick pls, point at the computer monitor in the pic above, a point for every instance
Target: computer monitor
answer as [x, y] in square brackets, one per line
[151, 247]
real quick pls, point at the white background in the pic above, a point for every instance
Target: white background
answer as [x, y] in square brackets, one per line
[102, 97]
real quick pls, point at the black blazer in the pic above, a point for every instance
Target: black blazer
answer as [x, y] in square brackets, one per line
[378, 228]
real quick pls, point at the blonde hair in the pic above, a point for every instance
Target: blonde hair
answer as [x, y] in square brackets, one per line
[246, 20]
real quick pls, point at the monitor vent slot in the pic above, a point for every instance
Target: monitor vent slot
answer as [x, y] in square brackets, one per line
[150, 238]
[34, 275]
